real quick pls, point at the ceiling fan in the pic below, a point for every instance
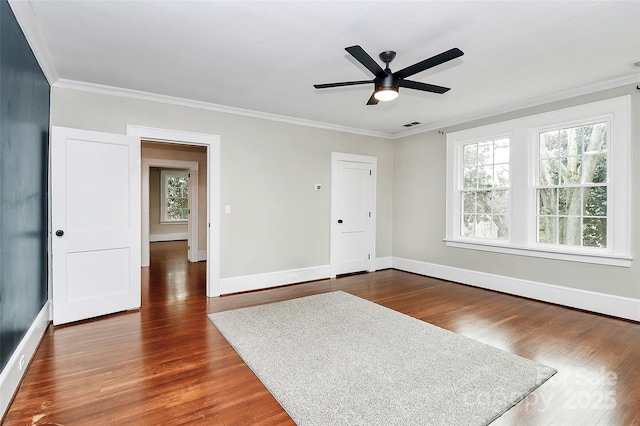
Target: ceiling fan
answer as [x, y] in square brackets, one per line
[386, 82]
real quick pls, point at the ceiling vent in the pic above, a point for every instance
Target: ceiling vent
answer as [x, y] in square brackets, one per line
[636, 64]
[415, 123]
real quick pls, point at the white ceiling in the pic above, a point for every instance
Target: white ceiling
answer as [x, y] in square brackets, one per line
[265, 56]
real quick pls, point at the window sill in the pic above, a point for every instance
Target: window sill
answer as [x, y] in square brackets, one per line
[174, 222]
[571, 256]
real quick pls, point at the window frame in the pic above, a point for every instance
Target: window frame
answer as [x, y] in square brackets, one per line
[164, 175]
[523, 134]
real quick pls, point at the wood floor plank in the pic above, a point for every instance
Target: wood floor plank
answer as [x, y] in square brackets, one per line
[167, 364]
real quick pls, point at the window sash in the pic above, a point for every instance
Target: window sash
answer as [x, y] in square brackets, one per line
[181, 200]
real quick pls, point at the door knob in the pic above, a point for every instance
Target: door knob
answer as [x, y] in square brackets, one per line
[59, 233]
[339, 220]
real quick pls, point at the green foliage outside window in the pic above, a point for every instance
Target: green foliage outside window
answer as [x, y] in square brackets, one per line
[177, 198]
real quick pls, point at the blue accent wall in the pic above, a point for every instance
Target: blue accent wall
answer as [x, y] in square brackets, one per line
[24, 135]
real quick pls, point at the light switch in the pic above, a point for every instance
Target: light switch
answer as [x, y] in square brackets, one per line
[227, 209]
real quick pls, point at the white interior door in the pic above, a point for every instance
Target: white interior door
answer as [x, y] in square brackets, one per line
[353, 194]
[95, 219]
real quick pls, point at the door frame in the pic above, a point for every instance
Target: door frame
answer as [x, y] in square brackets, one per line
[192, 167]
[336, 157]
[212, 142]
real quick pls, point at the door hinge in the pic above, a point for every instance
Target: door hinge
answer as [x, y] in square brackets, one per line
[370, 173]
[369, 256]
[369, 214]
[188, 247]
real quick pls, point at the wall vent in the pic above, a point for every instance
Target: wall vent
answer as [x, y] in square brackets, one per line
[636, 64]
[415, 123]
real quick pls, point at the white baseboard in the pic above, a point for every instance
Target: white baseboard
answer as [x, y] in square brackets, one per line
[275, 279]
[12, 373]
[202, 255]
[608, 304]
[272, 279]
[154, 238]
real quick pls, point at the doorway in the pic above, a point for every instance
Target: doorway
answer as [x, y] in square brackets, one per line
[211, 218]
[195, 226]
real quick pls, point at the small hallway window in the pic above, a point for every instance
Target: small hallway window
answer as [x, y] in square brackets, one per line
[175, 195]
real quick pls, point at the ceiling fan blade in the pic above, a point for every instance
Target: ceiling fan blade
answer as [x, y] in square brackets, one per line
[344, 83]
[366, 60]
[429, 63]
[409, 84]
[372, 100]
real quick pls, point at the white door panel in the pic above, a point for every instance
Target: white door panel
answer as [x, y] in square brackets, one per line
[353, 213]
[95, 202]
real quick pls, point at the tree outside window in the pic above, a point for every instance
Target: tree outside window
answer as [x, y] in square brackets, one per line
[572, 186]
[485, 194]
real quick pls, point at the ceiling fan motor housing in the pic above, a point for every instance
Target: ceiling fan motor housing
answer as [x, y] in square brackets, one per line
[387, 82]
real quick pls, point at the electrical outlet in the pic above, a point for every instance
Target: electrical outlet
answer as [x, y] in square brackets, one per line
[22, 362]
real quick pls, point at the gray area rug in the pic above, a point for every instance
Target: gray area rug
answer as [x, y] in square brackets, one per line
[337, 359]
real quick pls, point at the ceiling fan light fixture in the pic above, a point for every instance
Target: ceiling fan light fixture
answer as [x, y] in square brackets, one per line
[386, 94]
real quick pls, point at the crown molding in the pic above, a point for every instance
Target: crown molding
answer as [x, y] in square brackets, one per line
[560, 96]
[172, 100]
[26, 18]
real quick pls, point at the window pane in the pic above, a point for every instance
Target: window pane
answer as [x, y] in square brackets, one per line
[553, 144]
[570, 232]
[501, 175]
[500, 202]
[595, 232]
[468, 202]
[502, 226]
[549, 172]
[470, 178]
[485, 179]
[470, 156]
[547, 229]
[570, 201]
[594, 168]
[485, 153]
[483, 202]
[596, 201]
[547, 201]
[485, 228]
[570, 170]
[467, 225]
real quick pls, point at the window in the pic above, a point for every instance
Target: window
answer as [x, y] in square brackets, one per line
[573, 186]
[552, 185]
[174, 196]
[485, 193]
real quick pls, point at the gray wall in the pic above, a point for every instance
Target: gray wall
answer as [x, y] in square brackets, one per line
[24, 126]
[419, 213]
[268, 171]
[278, 222]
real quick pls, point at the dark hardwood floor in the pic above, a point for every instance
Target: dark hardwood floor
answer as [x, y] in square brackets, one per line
[167, 364]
